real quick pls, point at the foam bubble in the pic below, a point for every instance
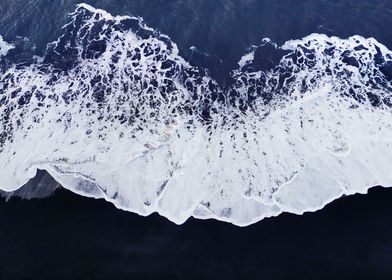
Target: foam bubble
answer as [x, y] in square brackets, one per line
[4, 47]
[112, 111]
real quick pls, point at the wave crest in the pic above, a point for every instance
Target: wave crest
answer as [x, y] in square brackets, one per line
[114, 111]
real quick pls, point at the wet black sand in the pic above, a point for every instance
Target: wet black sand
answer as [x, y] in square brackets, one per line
[71, 237]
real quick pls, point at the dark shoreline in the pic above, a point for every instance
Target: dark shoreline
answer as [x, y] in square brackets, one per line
[67, 236]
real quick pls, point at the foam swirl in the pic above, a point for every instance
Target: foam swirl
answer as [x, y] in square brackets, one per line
[113, 111]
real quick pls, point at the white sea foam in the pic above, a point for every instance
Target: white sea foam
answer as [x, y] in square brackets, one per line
[114, 112]
[4, 47]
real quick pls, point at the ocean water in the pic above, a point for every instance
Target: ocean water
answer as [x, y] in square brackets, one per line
[113, 109]
[236, 111]
[222, 29]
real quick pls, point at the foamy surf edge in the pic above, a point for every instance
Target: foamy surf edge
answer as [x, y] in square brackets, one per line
[291, 137]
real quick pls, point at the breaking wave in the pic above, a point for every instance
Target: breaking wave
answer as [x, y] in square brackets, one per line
[112, 111]
[4, 47]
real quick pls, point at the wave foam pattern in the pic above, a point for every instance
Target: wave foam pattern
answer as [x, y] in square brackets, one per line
[112, 111]
[4, 47]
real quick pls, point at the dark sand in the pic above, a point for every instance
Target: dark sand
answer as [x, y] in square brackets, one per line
[71, 237]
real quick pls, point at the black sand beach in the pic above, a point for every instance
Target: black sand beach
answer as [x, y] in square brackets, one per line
[71, 237]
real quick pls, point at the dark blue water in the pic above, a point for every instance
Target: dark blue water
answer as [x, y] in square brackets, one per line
[70, 237]
[223, 29]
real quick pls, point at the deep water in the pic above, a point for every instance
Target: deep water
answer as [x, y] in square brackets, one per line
[223, 29]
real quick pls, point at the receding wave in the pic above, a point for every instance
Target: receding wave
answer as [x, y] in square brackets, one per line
[113, 111]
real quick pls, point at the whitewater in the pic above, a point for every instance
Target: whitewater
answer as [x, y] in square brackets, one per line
[113, 111]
